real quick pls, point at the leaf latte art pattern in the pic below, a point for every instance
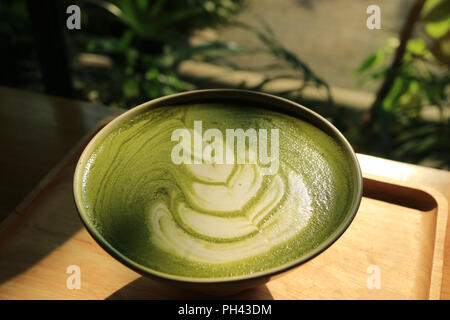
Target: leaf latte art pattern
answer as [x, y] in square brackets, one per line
[230, 222]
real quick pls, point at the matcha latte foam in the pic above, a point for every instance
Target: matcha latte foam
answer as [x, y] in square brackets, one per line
[214, 220]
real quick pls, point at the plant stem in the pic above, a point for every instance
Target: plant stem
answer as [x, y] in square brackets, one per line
[377, 111]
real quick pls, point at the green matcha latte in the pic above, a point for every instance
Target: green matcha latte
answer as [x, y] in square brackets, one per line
[214, 220]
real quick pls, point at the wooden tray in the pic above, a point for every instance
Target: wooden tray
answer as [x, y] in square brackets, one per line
[399, 229]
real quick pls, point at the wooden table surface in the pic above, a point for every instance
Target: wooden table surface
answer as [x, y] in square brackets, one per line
[36, 131]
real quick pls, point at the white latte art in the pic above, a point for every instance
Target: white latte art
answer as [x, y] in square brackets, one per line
[223, 221]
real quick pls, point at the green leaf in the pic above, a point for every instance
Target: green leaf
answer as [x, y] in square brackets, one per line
[417, 46]
[142, 4]
[438, 29]
[412, 97]
[372, 76]
[152, 74]
[209, 6]
[130, 88]
[126, 39]
[132, 56]
[371, 61]
[437, 11]
[399, 87]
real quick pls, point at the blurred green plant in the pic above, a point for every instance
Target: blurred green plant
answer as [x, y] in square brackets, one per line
[153, 39]
[170, 21]
[128, 52]
[145, 41]
[420, 83]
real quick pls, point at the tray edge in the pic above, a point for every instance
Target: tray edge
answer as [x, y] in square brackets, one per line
[437, 267]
